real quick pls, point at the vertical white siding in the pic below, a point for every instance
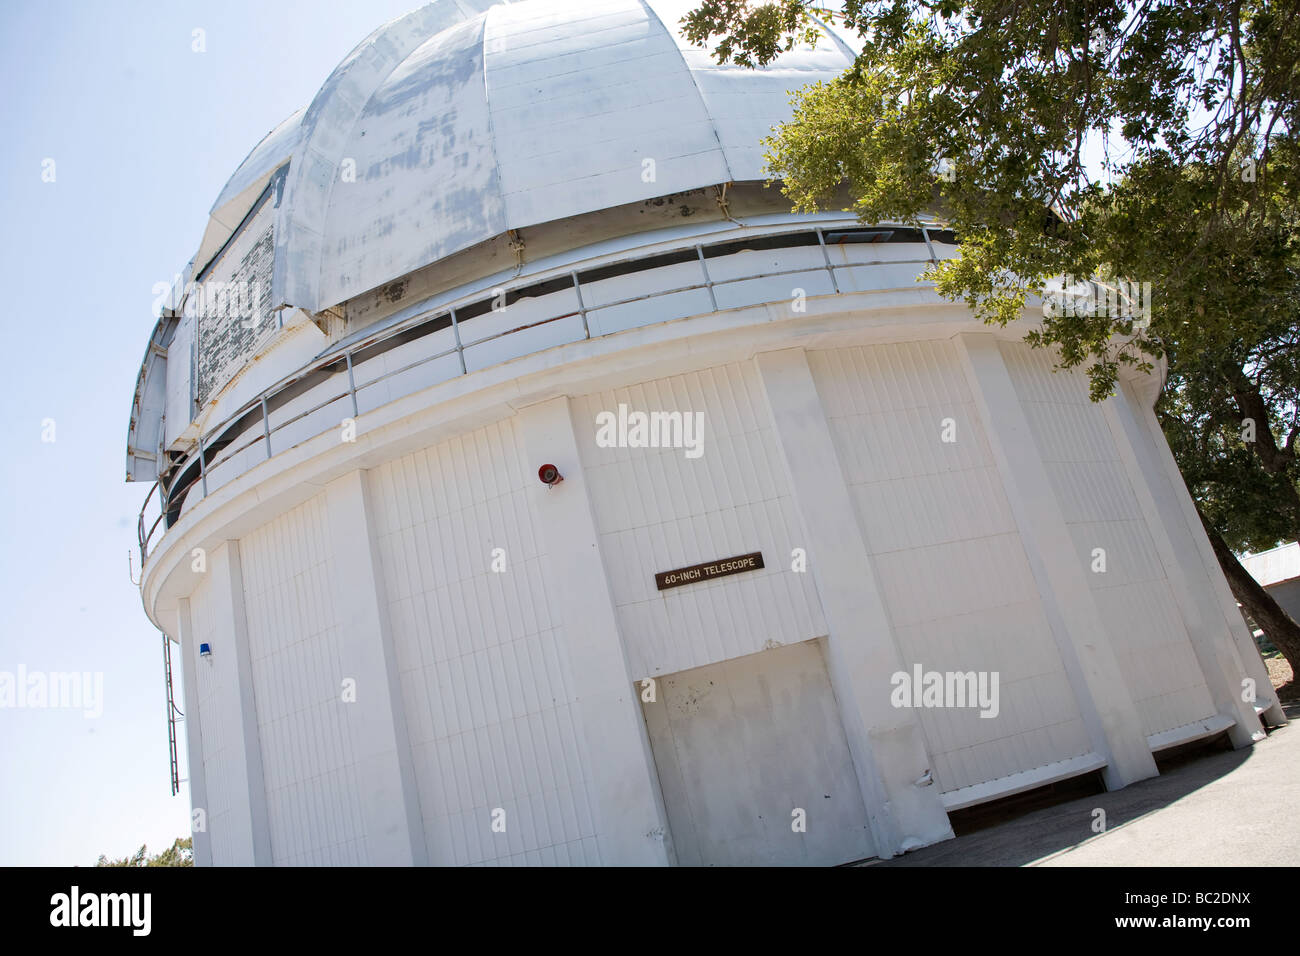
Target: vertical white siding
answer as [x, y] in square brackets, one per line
[216, 733]
[1133, 595]
[948, 556]
[492, 720]
[293, 638]
[657, 510]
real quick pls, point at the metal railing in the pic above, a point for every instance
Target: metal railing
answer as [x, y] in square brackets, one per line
[213, 442]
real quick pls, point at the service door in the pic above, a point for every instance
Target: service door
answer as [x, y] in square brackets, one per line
[753, 763]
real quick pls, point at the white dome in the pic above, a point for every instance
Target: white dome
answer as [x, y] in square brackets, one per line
[455, 124]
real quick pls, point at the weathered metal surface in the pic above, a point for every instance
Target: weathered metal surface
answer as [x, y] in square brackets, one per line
[233, 306]
[528, 113]
[328, 126]
[426, 177]
[592, 107]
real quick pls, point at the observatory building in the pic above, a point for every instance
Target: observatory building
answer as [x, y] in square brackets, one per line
[532, 486]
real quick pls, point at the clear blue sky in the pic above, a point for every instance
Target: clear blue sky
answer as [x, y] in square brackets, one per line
[144, 133]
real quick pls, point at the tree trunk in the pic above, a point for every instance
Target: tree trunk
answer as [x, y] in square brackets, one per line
[1277, 625]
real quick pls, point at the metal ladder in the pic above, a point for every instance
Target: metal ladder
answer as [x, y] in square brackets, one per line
[173, 713]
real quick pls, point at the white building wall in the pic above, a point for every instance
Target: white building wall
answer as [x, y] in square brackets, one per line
[948, 556]
[491, 716]
[193, 735]
[293, 636]
[657, 510]
[486, 687]
[1133, 594]
[216, 733]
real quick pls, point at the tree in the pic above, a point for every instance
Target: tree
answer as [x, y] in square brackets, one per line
[1075, 140]
[180, 853]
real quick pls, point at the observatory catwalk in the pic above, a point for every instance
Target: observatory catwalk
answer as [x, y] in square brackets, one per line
[531, 486]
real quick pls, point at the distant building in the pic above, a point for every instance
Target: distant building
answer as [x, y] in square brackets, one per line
[532, 486]
[1278, 572]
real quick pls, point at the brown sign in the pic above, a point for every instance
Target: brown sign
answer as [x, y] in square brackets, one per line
[707, 572]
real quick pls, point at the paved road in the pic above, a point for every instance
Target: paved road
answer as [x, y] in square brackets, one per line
[1240, 808]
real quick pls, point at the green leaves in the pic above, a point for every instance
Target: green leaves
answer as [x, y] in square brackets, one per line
[751, 34]
[180, 853]
[1162, 138]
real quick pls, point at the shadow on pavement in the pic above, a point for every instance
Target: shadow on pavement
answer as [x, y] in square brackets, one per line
[1045, 832]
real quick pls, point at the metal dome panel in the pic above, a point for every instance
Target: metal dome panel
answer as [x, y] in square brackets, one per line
[425, 175]
[532, 112]
[576, 117]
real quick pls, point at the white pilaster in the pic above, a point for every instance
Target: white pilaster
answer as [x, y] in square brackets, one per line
[236, 709]
[886, 742]
[196, 772]
[376, 720]
[632, 824]
[1107, 709]
[1210, 638]
[1211, 575]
